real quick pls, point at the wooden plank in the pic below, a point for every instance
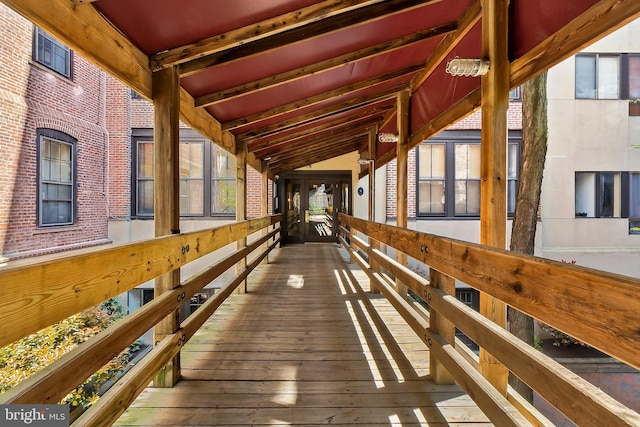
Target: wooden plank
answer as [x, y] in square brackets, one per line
[597, 307]
[326, 65]
[493, 163]
[308, 32]
[332, 354]
[59, 287]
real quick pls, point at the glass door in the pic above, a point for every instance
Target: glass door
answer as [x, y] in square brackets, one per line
[311, 203]
[320, 215]
[293, 212]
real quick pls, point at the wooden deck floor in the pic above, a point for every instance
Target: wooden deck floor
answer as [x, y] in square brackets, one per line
[305, 347]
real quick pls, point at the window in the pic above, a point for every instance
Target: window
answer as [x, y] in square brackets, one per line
[608, 76]
[449, 174]
[598, 194]
[223, 182]
[207, 176]
[634, 203]
[56, 178]
[597, 76]
[191, 178]
[609, 195]
[51, 53]
[515, 94]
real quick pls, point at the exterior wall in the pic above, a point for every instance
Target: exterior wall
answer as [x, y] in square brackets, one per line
[31, 97]
[588, 135]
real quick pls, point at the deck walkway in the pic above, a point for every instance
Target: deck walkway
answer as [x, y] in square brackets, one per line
[306, 346]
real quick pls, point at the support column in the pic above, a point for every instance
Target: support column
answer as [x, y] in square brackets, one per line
[265, 206]
[166, 203]
[241, 202]
[493, 169]
[373, 154]
[402, 161]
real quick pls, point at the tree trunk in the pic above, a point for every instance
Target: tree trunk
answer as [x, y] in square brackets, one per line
[534, 150]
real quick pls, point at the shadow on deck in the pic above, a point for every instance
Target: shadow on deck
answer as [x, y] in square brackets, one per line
[308, 345]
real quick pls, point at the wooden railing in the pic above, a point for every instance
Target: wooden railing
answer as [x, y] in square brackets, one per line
[597, 308]
[40, 294]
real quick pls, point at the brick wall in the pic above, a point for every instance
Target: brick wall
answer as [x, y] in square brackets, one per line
[31, 97]
[118, 118]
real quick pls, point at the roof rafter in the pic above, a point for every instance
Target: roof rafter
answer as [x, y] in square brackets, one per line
[314, 157]
[326, 65]
[330, 128]
[307, 102]
[307, 32]
[355, 129]
[253, 32]
[319, 114]
[318, 146]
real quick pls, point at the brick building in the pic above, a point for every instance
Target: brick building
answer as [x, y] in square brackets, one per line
[53, 139]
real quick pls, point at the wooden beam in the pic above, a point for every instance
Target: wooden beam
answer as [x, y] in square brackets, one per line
[315, 137]
[353, 104]
[465, 23]
[322, 66]
[253, 32]
[316, 99]
[598, 21]
[402, 180]
[493, 163]
[310, 31]
[166, 205]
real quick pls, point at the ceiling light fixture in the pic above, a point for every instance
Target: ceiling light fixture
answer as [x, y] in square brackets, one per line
[467, 67]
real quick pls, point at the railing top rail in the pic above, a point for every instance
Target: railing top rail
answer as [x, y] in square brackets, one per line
[53, 289]
[596, 307]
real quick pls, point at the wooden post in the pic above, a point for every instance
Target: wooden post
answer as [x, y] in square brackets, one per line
[373, 137]
[241, 202]
[166, 199]
[402, 161]
[265, 206]
[493, 169]
[441, 326]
